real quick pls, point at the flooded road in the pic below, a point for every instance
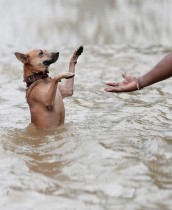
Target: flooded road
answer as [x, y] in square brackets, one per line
[114, 151]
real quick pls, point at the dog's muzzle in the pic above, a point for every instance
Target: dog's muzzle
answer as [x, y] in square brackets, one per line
[53, 60]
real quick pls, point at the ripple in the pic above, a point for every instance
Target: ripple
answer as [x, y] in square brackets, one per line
[114, 149]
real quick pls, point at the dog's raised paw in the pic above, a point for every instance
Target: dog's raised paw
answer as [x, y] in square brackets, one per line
[79, 50]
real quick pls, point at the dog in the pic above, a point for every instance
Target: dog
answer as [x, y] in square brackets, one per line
[44, 94]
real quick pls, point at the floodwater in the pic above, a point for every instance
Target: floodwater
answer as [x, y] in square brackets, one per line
[115, 150]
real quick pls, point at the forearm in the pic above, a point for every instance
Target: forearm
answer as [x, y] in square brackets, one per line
[162, 71]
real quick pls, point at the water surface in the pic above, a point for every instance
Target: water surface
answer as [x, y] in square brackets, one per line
[115, 150]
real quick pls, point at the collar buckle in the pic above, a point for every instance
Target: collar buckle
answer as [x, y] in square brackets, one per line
[31, 78]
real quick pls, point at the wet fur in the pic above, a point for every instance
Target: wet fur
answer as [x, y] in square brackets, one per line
[45, 96]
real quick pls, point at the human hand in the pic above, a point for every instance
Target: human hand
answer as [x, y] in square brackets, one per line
[129, 84]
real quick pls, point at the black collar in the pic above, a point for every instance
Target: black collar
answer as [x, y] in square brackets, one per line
[36, 76]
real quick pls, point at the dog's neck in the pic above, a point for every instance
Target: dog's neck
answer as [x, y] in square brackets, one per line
[31, 74]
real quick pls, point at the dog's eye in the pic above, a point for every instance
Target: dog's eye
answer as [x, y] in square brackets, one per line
[41, 53]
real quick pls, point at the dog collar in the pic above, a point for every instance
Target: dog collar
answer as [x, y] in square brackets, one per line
[34, 77]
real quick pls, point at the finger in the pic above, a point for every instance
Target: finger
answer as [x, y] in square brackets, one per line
[124, 75]
[112, 83]
[114, 89]
[127, 88]
[127, 77]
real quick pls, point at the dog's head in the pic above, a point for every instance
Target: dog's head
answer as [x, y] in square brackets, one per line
[37, 60]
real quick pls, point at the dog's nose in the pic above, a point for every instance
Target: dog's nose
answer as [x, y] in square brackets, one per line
[57, 54]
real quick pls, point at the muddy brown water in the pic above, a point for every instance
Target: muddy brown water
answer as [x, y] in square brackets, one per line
[114, 151]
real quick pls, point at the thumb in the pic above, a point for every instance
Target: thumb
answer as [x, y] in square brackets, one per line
[124, 75]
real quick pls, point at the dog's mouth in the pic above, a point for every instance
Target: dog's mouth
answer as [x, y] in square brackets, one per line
[52, 60]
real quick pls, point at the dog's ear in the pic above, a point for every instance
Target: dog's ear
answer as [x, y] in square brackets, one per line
[21, 57]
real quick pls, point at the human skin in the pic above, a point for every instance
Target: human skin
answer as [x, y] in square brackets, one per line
[161, 71]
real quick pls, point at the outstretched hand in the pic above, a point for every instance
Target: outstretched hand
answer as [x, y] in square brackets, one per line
[129, 84]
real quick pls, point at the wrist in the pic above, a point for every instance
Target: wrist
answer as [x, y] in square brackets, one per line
[139, 84]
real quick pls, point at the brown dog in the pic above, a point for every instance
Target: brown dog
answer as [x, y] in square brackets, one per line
[45, 94]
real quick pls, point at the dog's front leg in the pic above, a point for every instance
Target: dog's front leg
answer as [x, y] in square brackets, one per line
[51, 94]
[67, 88]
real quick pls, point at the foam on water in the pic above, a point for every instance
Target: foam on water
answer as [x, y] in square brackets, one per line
[115, 150]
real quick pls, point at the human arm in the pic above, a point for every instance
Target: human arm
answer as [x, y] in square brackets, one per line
[161, 71]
